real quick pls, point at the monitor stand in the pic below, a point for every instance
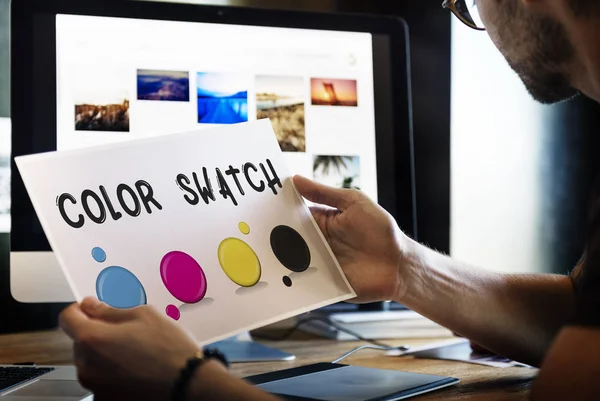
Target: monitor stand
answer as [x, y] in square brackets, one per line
[367, 313]
[364, 312]
[242, 348]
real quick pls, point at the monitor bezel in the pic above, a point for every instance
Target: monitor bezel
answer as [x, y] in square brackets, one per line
[394, 152]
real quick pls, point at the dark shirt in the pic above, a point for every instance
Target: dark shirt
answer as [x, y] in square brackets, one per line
[586, 275]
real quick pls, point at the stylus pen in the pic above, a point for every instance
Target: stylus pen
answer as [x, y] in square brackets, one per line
[380, 347]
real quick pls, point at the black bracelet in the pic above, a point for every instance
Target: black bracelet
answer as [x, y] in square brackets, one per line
[213, 353]
[192, 364]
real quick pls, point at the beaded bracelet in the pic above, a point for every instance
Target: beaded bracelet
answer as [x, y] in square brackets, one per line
[192, 364]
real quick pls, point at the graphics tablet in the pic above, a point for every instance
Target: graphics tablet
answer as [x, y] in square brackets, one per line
[337, 382]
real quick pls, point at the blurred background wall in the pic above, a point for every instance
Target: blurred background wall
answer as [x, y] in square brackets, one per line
[521, 172]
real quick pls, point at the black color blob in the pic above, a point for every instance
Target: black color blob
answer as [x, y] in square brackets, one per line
[287, 281]
[290, 248]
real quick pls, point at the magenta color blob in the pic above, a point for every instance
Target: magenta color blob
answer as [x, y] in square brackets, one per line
[183, 277]
[173, 312]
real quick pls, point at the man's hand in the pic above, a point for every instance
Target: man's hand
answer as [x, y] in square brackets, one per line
[126, 353]
[366, 240]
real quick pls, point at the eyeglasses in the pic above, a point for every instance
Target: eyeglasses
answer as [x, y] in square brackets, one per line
[466, 11]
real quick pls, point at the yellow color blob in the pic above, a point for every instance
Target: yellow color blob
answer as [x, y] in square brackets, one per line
[239, 262]
[244, 228]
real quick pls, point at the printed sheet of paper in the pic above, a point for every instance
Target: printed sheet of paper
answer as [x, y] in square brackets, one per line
[206, 226]
[457, 349]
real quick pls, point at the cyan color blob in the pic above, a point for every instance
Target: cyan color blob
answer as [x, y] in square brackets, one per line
[120, 288]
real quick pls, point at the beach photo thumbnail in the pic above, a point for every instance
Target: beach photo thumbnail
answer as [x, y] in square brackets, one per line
[222, 98]
[337, 171]
[281, 99]
[333, 92]
[163, 85]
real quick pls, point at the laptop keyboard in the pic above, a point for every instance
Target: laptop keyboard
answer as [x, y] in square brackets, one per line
[13, 375]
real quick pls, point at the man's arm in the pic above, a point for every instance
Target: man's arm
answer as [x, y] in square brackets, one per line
[138, 353]
[514, 315]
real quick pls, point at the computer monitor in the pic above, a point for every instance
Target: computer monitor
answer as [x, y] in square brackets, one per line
[85, 72]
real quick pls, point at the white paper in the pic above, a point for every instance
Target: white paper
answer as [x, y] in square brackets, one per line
[139, 244]
[465, 355]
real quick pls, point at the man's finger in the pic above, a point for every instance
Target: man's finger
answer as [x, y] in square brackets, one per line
[323, 194]
[73, 321]
[101, 311]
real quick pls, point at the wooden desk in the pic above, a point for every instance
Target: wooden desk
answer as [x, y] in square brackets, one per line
[477, 382]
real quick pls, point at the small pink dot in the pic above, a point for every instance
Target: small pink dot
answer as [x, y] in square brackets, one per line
[173, 312]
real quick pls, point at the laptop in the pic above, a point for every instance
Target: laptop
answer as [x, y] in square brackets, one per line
[41, 383]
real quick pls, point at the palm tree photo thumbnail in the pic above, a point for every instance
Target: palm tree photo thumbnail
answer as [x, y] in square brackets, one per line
[337, 171]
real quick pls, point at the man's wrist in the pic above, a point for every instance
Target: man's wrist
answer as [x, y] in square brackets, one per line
[202, 385]
[189, 374]
[409, 267]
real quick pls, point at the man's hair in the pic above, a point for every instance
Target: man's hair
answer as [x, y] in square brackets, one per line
[582, 8]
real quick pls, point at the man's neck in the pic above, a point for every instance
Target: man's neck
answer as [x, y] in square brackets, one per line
[584, 73]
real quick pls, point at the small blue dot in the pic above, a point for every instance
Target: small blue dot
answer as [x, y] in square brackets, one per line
[98, 254]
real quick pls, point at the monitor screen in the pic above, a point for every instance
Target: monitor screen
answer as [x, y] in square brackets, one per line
[120, 78]
[335, 88]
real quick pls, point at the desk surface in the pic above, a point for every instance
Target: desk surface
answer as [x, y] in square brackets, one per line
[477, 382]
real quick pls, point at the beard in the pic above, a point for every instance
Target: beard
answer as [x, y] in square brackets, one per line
[546, 87]
[549, 52]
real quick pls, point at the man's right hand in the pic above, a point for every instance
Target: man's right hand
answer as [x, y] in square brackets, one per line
[366, 240]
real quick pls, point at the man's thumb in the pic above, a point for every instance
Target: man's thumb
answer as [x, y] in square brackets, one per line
[325, 195]
[101, 311]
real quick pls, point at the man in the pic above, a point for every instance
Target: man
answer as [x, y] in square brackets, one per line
[550, 321]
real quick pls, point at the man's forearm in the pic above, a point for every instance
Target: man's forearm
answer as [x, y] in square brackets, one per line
[515, 315]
